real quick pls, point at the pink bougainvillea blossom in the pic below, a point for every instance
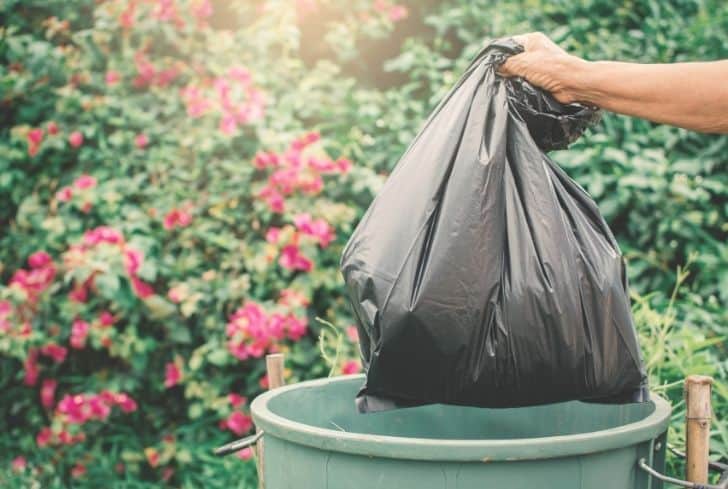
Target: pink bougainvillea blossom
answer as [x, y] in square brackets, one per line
[292, 259]
[142, 289]
[35, 137]
[78, 470]
[299, 169]
[48, 392]
[244, 454]
[54, 351]
[44, 436]
[252, 332]
[112, 77]
[350, 367]
[201, 10]
[65, 194]
[19, 463]
[318, 228]
[352, 333]
[39, 259]
[172, 375]
[126, 18]
[141, 141]
[81, 408]
[236, 400]
[133, 259]
[102, 234]
[177, 218]
[85, 182]
[106, 319]
[393, 12]
[52, 128]
[239, 423]
[79, 332]
[75, 139]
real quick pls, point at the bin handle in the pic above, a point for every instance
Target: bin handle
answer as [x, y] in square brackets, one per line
[642, 464]
[240, 444]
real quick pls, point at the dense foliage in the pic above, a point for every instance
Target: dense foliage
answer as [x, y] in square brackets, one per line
[178, 177]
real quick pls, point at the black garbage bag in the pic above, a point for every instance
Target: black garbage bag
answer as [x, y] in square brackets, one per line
[482, 274]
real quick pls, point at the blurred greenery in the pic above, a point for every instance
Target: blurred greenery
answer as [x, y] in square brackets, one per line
[365, 77]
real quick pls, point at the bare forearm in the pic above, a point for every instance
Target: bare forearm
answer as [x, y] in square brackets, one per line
[689, 95]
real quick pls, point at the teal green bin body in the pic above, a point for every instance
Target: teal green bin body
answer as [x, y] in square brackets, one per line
[315, 439]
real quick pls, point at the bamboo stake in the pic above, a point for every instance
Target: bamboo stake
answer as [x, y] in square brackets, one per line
[697, 427]
[274, 369]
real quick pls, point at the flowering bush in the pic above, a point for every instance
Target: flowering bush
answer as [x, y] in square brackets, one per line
[178, 178]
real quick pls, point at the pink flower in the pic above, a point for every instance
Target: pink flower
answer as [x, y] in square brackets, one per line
[65, 194]
[133, 260]
[19, 463]
[240, 74]
[43, 438]
[48, 392]
[350, 367]
[79, 332]
[264, 160]
[106, 319]
[141, 141]
[39, 259]
[142, 289]
[73, 408]
[35, 136]
[126, 19]
[78, 470]
[112, 77]
[296, 327]
[172, 375]
[85, 182]
[79, 294]
[52, 128]
[201, 9]
[273, 198]
[75, 139]
[344, 165]
[319, 228]
[54, 351]
[31, 367]
[397, 13]
[236, 400]
[102, 234]
[176, 294]
[244, 454]
[292, 259]
[272, 235]
[239, 423]
[177, 218]
[228, 124]
[352, 333]
[145, 70]
[125, 403]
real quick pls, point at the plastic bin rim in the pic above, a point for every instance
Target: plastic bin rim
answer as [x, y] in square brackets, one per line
[463, 450]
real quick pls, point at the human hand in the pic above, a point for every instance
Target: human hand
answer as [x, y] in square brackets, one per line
[544, 64]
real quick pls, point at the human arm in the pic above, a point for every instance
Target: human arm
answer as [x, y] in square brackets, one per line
[689, 95]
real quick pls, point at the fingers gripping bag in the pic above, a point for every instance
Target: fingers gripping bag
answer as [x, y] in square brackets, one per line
[481, 274]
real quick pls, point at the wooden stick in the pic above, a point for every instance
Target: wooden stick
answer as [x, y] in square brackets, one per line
[274, 369]
[697, 427]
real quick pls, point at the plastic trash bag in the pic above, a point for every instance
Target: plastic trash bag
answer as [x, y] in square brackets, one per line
[482, 274]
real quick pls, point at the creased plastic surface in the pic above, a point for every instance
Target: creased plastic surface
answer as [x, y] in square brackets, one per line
[482, 274]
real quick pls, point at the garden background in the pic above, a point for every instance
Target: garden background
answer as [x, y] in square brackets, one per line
[178, 178]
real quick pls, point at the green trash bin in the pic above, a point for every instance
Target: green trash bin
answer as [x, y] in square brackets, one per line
[315, 439]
